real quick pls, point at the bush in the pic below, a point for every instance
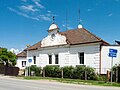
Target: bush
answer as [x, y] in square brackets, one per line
[91, 75]
[101, 78]
[37, 70]
[52, 71]
[79, 72]
[115, 69]
[68, 71]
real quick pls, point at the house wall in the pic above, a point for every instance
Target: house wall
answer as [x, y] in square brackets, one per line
[92, 55]
[106, 60]
[68, 55]
[19, 62]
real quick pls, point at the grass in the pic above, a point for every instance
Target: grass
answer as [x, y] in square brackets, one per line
[75, 81]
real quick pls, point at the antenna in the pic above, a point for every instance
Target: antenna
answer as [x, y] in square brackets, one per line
[79, 16]
[66, 19]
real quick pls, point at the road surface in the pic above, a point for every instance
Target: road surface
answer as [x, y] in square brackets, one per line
[7, 83]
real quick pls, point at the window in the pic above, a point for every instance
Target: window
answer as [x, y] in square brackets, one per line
[81, 57]
[56, 59]
[23, 63]
[34, 59]
[50, 59]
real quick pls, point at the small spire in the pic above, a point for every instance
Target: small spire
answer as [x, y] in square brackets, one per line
[53, 19]
[66, 19]
[79, 24]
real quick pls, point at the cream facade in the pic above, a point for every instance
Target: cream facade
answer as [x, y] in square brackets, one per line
[70, 48]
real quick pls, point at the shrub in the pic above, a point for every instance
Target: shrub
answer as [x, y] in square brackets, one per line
[79, 72]
[101, 78]
[116, 69]
[91, 75]
[52, 71]
[37, 70]
[68, 71]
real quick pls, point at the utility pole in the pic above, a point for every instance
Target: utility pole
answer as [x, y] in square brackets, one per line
[27, 72]
[111, 69]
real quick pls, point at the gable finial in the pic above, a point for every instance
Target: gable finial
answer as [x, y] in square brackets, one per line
[53, 19]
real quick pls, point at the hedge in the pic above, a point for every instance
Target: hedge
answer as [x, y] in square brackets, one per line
[77, 72]
[37, 70]
[52, 71]
[68, 71]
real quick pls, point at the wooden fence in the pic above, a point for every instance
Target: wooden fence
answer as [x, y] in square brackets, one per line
[9, 70]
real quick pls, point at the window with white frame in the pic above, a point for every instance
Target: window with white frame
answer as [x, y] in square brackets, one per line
[81, 57]
[23, 63]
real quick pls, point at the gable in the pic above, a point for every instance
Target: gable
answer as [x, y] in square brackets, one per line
[53, 39]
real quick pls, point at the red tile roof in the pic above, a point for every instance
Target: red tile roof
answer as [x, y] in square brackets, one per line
[81, 36]
[22, 54]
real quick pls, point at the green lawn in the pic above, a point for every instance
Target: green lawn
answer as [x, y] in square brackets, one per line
[75, 81]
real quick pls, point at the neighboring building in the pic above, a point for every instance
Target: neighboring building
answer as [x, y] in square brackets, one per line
[72, 47]
[21, 60]
[106, 60]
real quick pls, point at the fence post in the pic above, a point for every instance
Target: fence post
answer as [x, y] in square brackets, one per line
[116, 74]
[62, 73]
[43, 72]
[85, 73]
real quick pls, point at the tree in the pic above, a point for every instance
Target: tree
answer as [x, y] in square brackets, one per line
[7, 57]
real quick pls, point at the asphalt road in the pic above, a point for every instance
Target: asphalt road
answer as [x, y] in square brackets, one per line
[7, 83]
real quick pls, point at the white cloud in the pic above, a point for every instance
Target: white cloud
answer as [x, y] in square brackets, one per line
[49, 11]
[22, 14]
[89, 10]
[68, 26]
[16, 51]
[63, 25]
[110, 14]
[43, 17]
[46, 18]
[32, 9]
[28, 8]
[24, 0]
[39, 5]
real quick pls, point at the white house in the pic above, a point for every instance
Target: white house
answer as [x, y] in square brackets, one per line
[21, 60]
[72, 47]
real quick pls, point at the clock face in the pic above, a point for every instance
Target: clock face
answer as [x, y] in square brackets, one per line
[53, 36]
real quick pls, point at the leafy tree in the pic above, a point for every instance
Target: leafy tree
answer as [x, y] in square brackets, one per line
[7, 57]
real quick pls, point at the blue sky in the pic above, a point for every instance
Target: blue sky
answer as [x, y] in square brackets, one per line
[27, 21]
